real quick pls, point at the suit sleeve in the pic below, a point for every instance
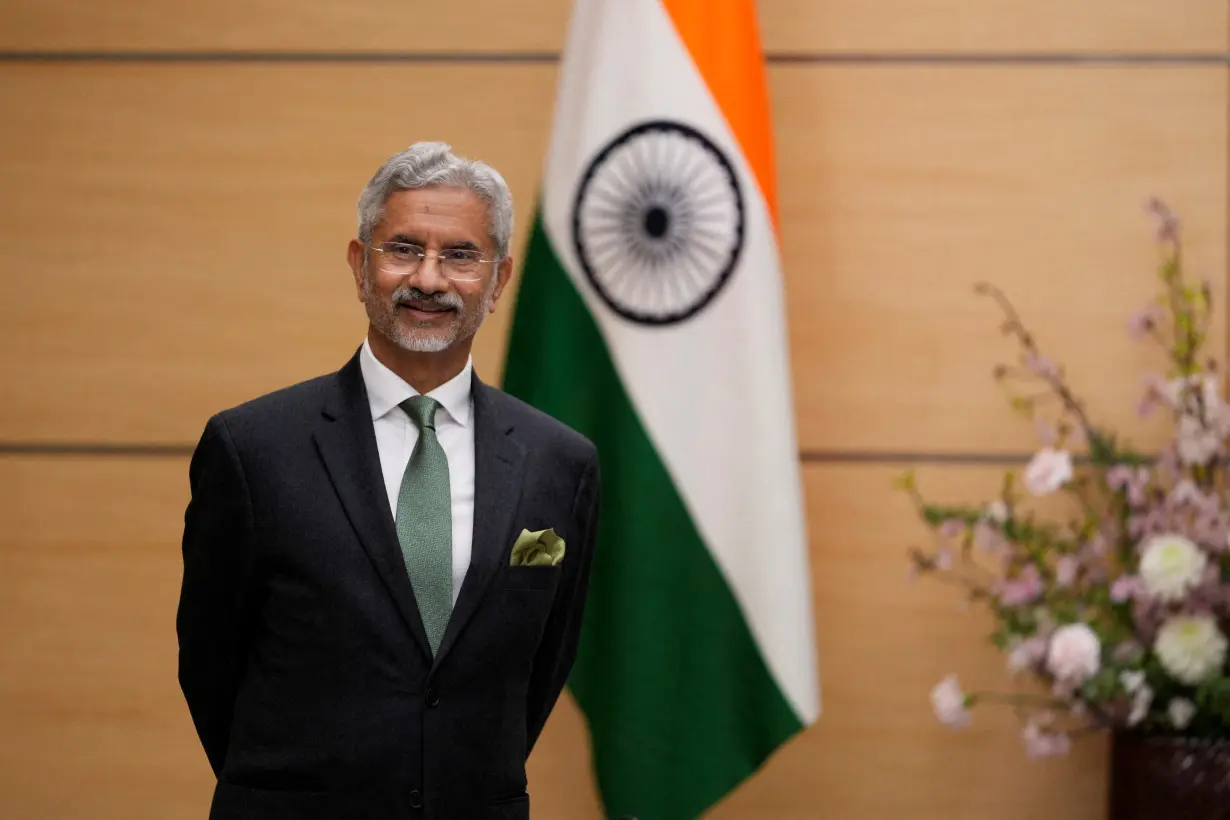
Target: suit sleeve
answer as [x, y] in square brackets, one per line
[558, 648]
[217, 534]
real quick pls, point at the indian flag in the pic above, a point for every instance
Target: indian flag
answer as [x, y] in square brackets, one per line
[650, 319]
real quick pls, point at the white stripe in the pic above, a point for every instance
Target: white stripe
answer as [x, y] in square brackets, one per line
[714, 391]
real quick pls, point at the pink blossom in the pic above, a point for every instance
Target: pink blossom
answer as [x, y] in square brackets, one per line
[1210, 530]
[1126, 587]
[1023, 589]
[1074, 654]
[1194, 393]
[943, 558]
[1048, 470]
[1041, 743]
[987, 537]
[996, 512]
[949, 703]
[1167, 463]
[1143, 321]
[1096, 546]
[1207, 599]
[1040, 365]
[1185, 492]
[1026, 655]
[1153, 393]
[1066, 570]
[1146, 405]
[1167, 222]
[952, 527]
[1140, 526]
[1132, 480]
[1196, 443]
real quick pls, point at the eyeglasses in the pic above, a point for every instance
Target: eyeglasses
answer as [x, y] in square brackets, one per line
[457, 264]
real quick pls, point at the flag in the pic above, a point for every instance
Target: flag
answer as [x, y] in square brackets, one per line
[650, 318]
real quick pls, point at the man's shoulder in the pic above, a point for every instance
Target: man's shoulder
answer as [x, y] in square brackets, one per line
[284, 409]
[544, 431]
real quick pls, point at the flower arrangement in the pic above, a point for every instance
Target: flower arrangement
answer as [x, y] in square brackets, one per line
[1117, 608]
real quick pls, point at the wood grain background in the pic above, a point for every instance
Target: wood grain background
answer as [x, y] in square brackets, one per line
[179, 184]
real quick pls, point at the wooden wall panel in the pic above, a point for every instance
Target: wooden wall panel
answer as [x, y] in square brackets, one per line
[174, 243]
[94, 722]
[174, 239]
[540, 25]
[993, 25]
[883, 641]
[902, 187]
[96, 726]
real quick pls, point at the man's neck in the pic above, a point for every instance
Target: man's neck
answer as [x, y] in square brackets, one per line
[422, 371]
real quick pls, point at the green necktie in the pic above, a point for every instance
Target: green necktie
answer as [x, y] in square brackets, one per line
[425, 522]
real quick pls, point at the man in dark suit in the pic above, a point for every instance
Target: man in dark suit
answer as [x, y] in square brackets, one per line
[358, 636]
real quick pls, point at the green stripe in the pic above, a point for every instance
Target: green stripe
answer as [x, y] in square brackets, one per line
[680, 704]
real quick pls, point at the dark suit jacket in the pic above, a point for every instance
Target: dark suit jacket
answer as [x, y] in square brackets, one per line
[301, 652]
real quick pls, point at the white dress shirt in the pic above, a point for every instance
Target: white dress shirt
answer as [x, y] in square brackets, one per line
[396, 436]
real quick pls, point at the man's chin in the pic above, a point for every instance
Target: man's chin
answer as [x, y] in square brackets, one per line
[419, 342]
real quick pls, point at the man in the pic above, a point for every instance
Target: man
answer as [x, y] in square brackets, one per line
[385, 568]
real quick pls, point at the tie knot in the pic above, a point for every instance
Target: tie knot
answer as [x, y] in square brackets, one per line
[422, 411]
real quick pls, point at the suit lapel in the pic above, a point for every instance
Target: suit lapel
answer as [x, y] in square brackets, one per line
[346, 441]
[499, 467]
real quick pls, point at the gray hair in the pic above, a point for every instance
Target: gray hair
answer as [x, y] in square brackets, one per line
[425, 164]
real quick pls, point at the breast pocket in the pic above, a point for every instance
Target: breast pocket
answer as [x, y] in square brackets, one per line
[532, 577]
[527, 596]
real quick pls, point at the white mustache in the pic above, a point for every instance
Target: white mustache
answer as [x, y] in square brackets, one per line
[447, 300]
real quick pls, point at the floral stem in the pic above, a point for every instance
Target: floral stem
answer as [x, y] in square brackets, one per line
[1016, 327]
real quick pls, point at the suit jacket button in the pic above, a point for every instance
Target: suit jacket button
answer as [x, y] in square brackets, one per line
[432, 696]
[416, 799]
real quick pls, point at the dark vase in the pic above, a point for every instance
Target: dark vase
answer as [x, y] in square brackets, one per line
[1169, 778]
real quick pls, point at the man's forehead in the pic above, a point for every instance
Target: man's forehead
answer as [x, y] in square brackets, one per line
[436, 199]
[456, 208]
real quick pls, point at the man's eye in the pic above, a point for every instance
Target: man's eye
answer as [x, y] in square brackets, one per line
[459, 255]
[401, 249]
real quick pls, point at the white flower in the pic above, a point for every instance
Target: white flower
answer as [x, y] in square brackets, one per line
[1184, 393]
[949, 703]
[1075, 654]
[1131, 681]
[996, 511]
[1196, 443]
[1048, 470]
[1141, 702]
[1191, 648]
[1181, 711]
[1170, 565]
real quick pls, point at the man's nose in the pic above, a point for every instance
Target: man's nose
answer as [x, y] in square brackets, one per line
[429, 277]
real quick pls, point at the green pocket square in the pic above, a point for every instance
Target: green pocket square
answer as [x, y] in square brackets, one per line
[537, 549]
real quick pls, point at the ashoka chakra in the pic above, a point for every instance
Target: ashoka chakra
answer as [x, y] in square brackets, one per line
[658, 222]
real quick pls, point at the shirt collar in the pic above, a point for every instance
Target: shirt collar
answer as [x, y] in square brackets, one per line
[386, 390]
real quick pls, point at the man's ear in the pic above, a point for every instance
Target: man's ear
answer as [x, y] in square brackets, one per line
[503, 274]
[356, 255]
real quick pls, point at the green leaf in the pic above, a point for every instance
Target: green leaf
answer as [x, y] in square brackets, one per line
[1213, 697]
[935, 514]
[905, 481]
[1101, 687]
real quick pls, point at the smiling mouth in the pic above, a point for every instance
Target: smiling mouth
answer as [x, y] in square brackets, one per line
[427, 310]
